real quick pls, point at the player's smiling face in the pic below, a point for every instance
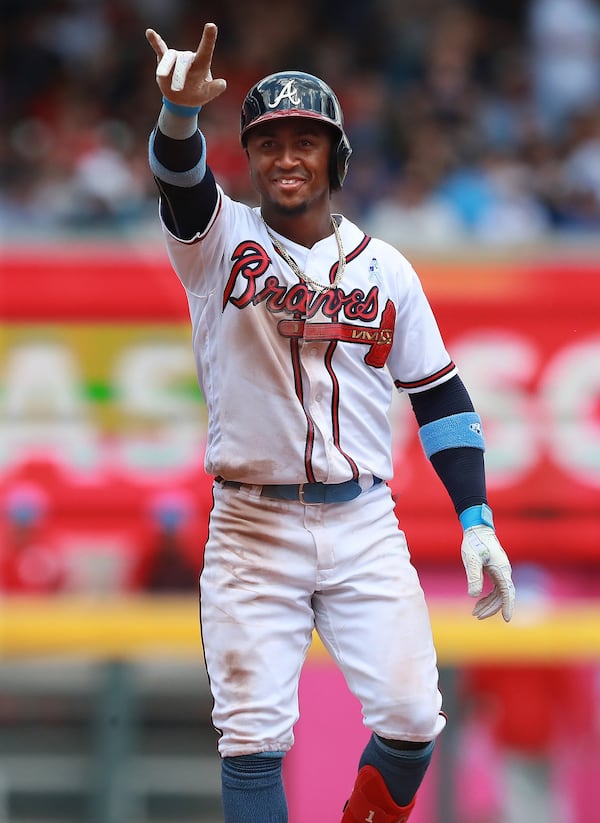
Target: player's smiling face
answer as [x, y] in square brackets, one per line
[289, 163]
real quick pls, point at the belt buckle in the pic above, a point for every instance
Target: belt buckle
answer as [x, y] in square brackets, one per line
[301, 496]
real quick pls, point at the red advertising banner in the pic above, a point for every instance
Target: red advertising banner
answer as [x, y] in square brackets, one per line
[526, 338]
[100, 411]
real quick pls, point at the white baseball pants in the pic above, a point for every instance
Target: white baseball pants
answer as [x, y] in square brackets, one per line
[274, 571]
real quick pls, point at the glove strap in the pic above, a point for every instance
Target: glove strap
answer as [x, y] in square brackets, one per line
[476, 516]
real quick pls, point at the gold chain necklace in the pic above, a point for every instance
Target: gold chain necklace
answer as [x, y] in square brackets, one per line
[319, 287]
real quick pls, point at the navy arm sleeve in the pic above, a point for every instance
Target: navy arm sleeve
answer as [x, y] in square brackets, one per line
[462, 469]
[185, 210]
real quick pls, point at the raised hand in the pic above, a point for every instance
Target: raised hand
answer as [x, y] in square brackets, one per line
[185, 77]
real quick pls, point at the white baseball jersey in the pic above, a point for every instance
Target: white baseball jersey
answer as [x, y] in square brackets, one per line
[298, 383]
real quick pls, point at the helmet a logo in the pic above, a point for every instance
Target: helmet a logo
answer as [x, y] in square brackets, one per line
[288, 91]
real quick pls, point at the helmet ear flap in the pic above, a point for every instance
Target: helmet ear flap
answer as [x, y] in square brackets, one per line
[340, 157]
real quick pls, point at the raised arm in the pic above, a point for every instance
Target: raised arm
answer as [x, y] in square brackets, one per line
[177, 151]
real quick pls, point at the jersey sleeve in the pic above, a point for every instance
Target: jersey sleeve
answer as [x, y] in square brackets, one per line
[419, 359]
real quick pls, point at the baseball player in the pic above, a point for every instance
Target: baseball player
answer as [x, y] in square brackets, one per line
[302, 328]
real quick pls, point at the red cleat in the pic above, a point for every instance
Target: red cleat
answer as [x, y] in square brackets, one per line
[370, 801]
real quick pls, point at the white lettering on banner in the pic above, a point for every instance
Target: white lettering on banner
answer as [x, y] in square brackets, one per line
[74, 443]
[43, 380]
[44, 411]
[42, 408]
[498, 368]
[174, 447]
[149, 377]
[150, 383]
[570, 392]
[531, 408]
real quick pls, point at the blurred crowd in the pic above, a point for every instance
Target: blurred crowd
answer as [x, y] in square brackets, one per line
[472, 121]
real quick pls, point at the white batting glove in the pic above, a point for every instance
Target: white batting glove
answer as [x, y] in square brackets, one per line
[184, 77]
[482, 555]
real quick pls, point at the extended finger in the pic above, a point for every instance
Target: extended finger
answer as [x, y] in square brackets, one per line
[508, 602]
[206, 47]
[501, 576]
[474, 572]
[488, 605]
[157, 43]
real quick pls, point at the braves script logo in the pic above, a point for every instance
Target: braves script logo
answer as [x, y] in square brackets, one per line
[288, 91]
[251, 262]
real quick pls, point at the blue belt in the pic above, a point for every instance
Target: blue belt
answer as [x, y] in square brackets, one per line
[306, 493]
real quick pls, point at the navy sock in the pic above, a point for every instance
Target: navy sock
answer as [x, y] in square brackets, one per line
[252, 788]
[402, 769]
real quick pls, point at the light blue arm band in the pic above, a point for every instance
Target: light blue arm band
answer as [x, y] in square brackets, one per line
[184, 179]
[452, 432]
[476, 516]
[182, 111]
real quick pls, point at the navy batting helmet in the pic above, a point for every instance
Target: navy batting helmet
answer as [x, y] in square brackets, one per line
[297, 94]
